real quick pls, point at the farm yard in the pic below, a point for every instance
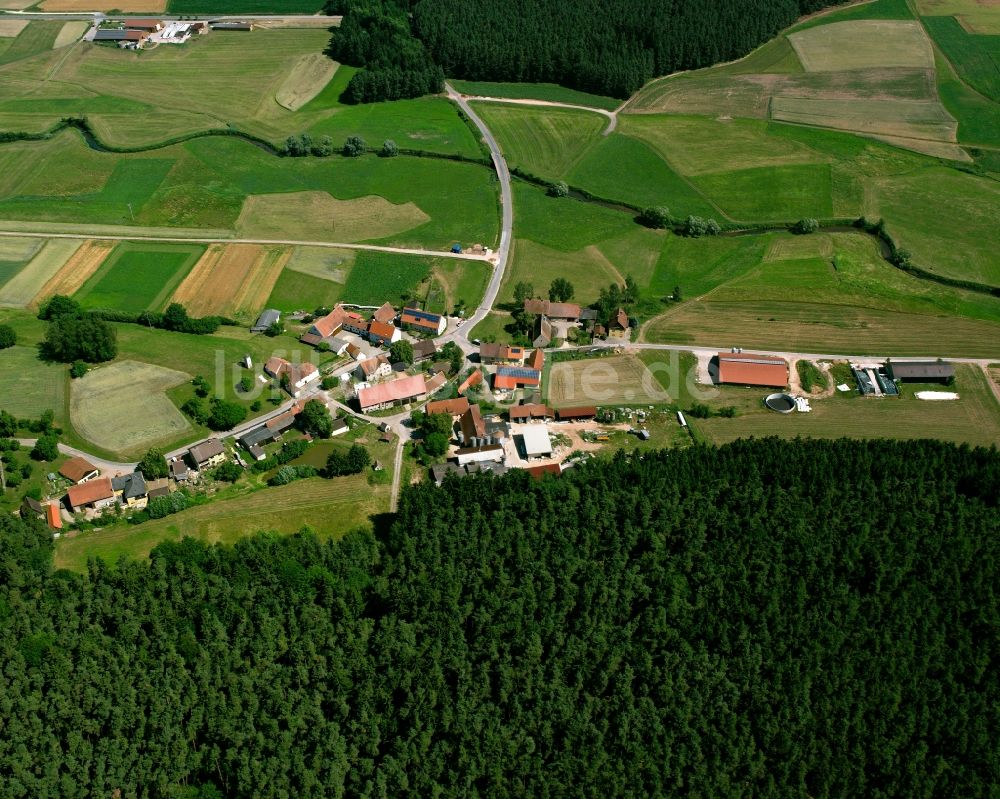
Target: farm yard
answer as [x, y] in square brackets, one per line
[123, 407]
[972, 419]
[139, 277]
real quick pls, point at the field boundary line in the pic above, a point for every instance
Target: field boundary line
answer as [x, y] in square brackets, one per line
[265, 242]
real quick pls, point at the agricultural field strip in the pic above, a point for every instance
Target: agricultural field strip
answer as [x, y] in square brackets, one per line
[612, 116]
[806, 356]
[274, 242]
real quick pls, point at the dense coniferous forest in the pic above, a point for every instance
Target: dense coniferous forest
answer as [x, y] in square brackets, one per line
[609, 48]
[767, 619]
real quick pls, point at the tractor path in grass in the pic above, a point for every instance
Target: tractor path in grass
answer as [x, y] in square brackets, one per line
[612, 116]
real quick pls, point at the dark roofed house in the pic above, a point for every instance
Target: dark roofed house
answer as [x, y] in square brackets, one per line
[31, 507]
[542, 332]
[110, 35]
[265, 320]
[231, 25]
[424, 349]
[921, 371]
[179, 470]
[130, 489]
[339, 427]
[256, 437]
[207, 454]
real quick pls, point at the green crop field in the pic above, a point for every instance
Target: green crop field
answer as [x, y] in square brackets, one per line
[547, 142]
[36, 38]
[461, 282]
[330, 507]
[977, 16]
[975, 57]
[947, 220]
[379, 277]
[243, 7]
[972, 419]
[31, 386]
[137, 277]
[975, 114]
[775, 192]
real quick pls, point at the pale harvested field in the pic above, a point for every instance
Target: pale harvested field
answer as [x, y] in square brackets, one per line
[9, 28]
[863, 44]
[605, 381]
[315, 215]
[76, 270]
[230, 279]
[976, 16]
[124, 6]
[122, 407]
[70, 32]
[918, 119]
[333, 265]
[936, 149]
[749, 95]
[22, 289]
[308, 77]
[17, 248]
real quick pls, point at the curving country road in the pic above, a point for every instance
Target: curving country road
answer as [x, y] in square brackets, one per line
[461, 337]
[612, 116]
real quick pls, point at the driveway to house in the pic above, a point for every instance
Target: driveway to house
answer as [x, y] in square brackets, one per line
[106, 466]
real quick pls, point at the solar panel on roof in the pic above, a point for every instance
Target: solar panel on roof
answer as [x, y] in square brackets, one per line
[518, 371]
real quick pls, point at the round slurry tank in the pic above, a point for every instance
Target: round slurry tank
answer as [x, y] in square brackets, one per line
[780, 402]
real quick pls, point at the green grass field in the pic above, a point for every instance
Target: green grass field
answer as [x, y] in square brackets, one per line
[547, 142]
[330, 507]
[947, 220]
[205, 183]
[975, 114]
[138, 277]
[975, 57]
[242, 7]
[773, 192]
[29, 385]
[38, 37]
[379, 277]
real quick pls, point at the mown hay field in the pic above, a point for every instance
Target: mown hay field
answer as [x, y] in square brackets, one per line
[305, 80]
[330, 507]
[71, 32]
[863, 44]
[139, 276]
[614, 380]
[921, 119]
[123, 407]
[31, 386]
[66, 266]
[311, 215]
[946, 219]
[547, 142]
[25, 286]
[231, 280]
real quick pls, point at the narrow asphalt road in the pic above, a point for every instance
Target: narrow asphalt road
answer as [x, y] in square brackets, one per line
[106, 466]
[461, 336]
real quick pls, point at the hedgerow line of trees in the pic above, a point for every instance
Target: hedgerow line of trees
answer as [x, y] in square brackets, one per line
[407, 46]
[765, 619]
